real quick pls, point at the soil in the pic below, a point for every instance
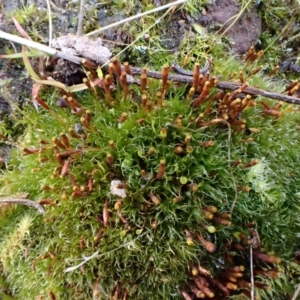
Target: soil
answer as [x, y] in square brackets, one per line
[243, 33]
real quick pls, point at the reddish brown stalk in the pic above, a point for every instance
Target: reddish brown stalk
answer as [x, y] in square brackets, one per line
[117, 292]
[105, 214]
[189, 238]
[164, 76]
[58, 143]
[212, 209]
[272, 113]
[231, 286]
[123, 81]
[236, 269]
[143, 81]
[251, 163]
[241, 77]
[90, 184]
[159, 98]
[224, 222]
[208, 215]
[201, 279]
[185, 295]
[27, 151]
[273, 273]
[235, 103]
[249, 53]
[69, 153]
[109, 159]
[203, 96]
[155, 200]
[292, 85]
[235, 274]
[27, 250]
[204, 271]
[47, 202]
[123, 117]
[107, 82]
[237, 247]
[203, 288]
[220, 286]
[85, 123]
[122, 218]
[196, 75]
[96, 292]
[125, 295]
[87, 83]
[98, 236]
[209, 246]
[52, 296]
[73, 181]
[224, 216]
[255, 71]
[194, 270]
[207, 144]
[81, 242]
[196, 291]
[191, 94]
[73, 102]
[42, 103]
[161, 169]
[262, 286]
[65, 168]
[244, 103]
[127, 68]
[274, 71]
[278, 105]
[117, 66]
[65, 140]
[243, 284]
[73, 133]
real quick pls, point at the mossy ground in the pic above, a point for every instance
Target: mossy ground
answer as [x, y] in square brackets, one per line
[142, 248]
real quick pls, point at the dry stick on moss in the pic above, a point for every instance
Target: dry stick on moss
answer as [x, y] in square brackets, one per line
[152, 74]
[228, 85]
[23, 202]
[189, 79]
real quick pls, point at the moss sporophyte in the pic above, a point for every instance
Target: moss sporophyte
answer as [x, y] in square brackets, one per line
[153, 191]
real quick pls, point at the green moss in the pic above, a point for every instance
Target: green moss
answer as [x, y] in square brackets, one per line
[145, 250]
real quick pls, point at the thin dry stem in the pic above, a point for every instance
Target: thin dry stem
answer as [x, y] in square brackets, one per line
[296, 293]
[80, 18]
[26, 202]
[50, 22]
[251, 273]
[136, 17]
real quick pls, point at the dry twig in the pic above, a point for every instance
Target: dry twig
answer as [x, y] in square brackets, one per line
[227, 85]
[26, 202]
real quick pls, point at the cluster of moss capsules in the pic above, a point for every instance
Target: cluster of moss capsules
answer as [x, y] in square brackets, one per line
[130, 175]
